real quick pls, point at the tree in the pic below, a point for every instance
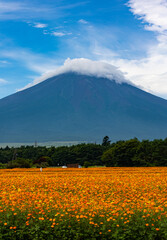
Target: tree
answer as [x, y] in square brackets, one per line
[20, 163]
[44, 160]
[121, 154]
[106, 141]
[87, 164]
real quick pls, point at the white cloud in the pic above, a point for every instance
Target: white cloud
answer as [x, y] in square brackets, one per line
[3, 62]
[151, 71]
[10, 10]
[7, 7]
[152, 12]
[60, 34]
[3, 81]
[148, 72]
[40, 25]
[35, 62]
[84, 66]
[83, 21]
[26, 10]
[17, 9]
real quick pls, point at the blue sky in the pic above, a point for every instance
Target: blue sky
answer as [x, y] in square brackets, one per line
[38, 36]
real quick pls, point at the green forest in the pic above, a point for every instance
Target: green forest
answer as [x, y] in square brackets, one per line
[124, 153]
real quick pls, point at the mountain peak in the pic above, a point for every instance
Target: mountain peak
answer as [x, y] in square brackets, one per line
[87, 67]
[73, 107]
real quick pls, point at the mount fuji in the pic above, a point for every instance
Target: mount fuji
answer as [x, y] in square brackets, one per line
[73, 106]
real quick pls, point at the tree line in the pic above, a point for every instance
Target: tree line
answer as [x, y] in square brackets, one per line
[124, 153]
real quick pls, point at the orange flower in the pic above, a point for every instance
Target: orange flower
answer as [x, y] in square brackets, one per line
[96, 195]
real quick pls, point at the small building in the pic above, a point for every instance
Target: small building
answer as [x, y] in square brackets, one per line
[73, 165]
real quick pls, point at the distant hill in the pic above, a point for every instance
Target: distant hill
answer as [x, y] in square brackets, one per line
[74, 107]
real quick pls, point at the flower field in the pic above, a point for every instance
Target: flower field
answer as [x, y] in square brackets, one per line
[93, 203]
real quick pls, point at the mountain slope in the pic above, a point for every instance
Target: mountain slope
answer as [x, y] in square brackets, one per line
[79, 107]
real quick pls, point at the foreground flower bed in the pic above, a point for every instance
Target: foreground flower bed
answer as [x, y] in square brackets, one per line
[95, 203]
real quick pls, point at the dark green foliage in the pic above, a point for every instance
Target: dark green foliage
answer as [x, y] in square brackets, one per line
[106, 141]
[135, 153]
[122, 153]
[2, 165]
[87, 164]
[43, 156]
[68, 228]
[20, 163]
[78, 153]
[43, 161]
